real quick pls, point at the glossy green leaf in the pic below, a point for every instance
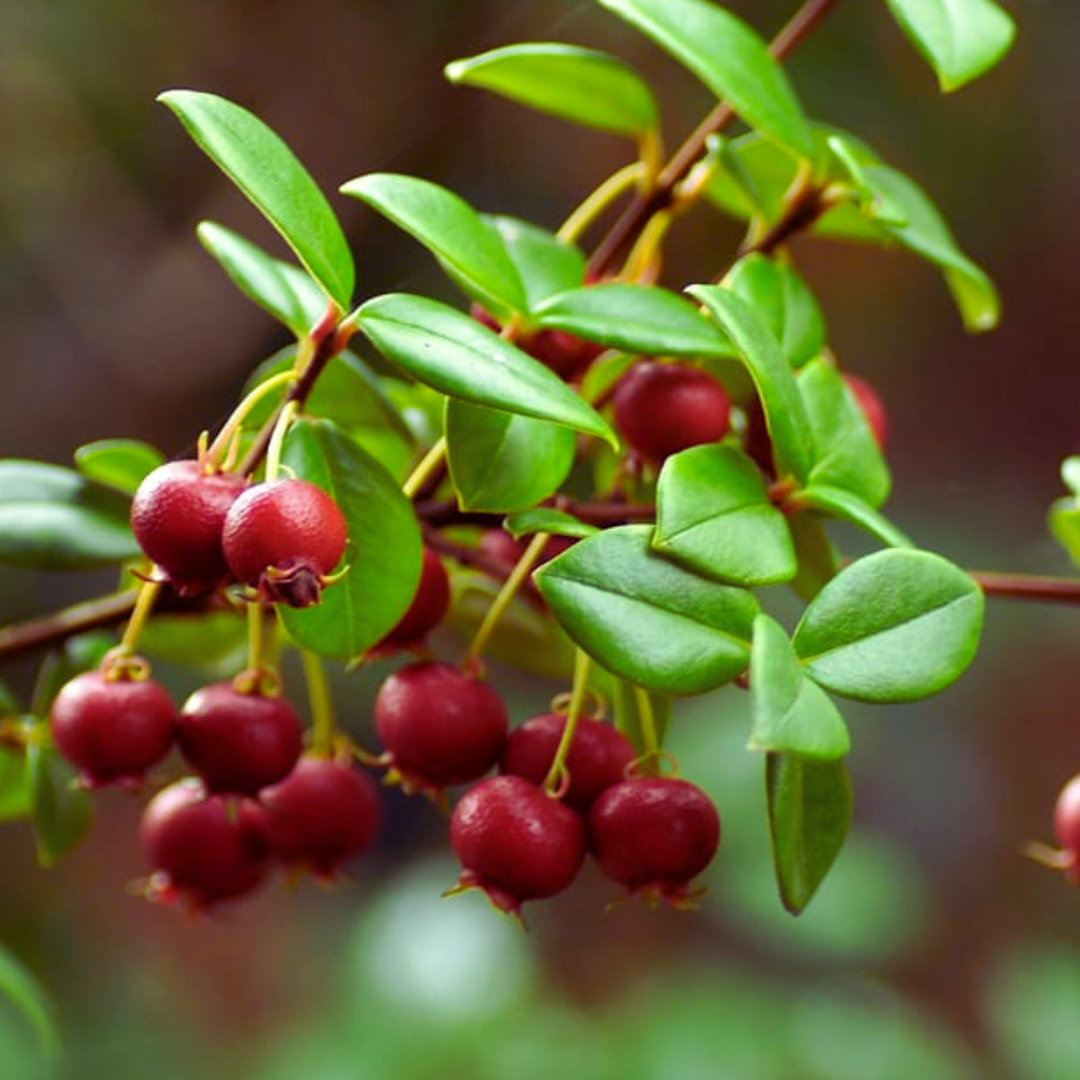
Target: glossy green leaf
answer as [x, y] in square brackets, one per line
[545, 264]
[810, 806]
[838, 503]
[713, 514]
[21, 989]
[791, 713]
[458, 357]
[544, 519]
[645, 618]
[53, 518]
[61, 813]
[14, 786]
[449, 228]
[278, 287]
[502, 462]
[960, 39]
[120, 463]
[582, 85]
[644, 319]
[898, 625]
[263, 167]
[785, 414]
[383, 553]
[729, 58]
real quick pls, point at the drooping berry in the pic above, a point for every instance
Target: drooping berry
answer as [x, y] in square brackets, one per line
[661, 409]
[515, 841]
[439, 726]
[239, 742]
[112, 727]
[428, 606]
[873, 408]
[598, 757]
[177, 515]
[654, 834]
[284, 537]
[199, 849]
[566, 354]
[321, 814]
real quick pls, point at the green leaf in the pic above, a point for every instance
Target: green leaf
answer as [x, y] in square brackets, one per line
[960, 39]
[383, 553]
[818, 562]
[457, 356]
[791, 713]
[1070, 474]
[729, 58]
[263, 167]
[214, 642]
[14, 786]
[645, 319]
[21, 989]
[1064, 523]
[713, 514]
[588, 87]
[280, 288]
[838, 503]
[898, 625]
[785, 414]
[450, 229]
[645, 618]
[545, 264]
[544, 519]
[53, 518]
[810, 808]
[120, 463]
[502, 462]
[61, 813]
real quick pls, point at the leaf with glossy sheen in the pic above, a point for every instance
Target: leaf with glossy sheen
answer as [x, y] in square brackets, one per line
[502, 462]
[785, 414]
[729, 58]
[120, 463]
[644, 617]
[20, 989]
[61, 813]
[838, 503]
[810, 806]
[455, 355]
[791, 713]
[544, 519]
[960, 39]
[545, 264]
[713, 514]
[263, 167]
[582, 85]
[449, 228]
[278, 287]
[383, 553]
[898, 625]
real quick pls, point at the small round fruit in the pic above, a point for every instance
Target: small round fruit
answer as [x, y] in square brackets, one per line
[1067, 827]
[238, 742]
[428, 605]
[177, 515]
[515, 841]
[565, 354]
[199, 849]
[283, 537]
[873, 408]
[112, 728]
[439, 726]
[653, 834]
[598, 757]
[321, 814]
[661, 409]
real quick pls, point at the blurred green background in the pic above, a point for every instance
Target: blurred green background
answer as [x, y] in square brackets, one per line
[934, 950]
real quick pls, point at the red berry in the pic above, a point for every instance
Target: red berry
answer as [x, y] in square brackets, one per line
[873, 408]
[321, 814]
[198, 847]
[428, 605]
[284, 537]
[439, 726]
[177, 515]
[653, 834]
[112, 728]
[1067, 826]
[515, 842]
[598, 757]
[566, 354]
[661, 409]
[238, 742]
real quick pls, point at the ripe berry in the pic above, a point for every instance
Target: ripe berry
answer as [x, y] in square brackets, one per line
[564, 353]
[653, 834]
[238, 742]
[439, 726]
[284, 537]
[598, 757]
[321, 814]
[661, 409]
[199, 849]
[1067, 828]
[873, 408]
[515, 842]
[428, 605]
[177, 515]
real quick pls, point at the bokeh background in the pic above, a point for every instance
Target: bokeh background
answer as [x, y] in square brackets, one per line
[934, 950]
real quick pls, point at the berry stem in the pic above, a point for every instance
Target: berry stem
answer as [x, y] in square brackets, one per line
[322, 707]
[256, 636]
[430, 462]
[650, 743]
[232, 426]
[599, 200]
[144, 604]
[582, 668]
[277, 440]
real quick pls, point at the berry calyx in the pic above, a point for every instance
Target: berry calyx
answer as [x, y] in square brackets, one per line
[654, 834]
[873, 408]
[515, 842]
[661, 409]
[284, 537]
[427, 609]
